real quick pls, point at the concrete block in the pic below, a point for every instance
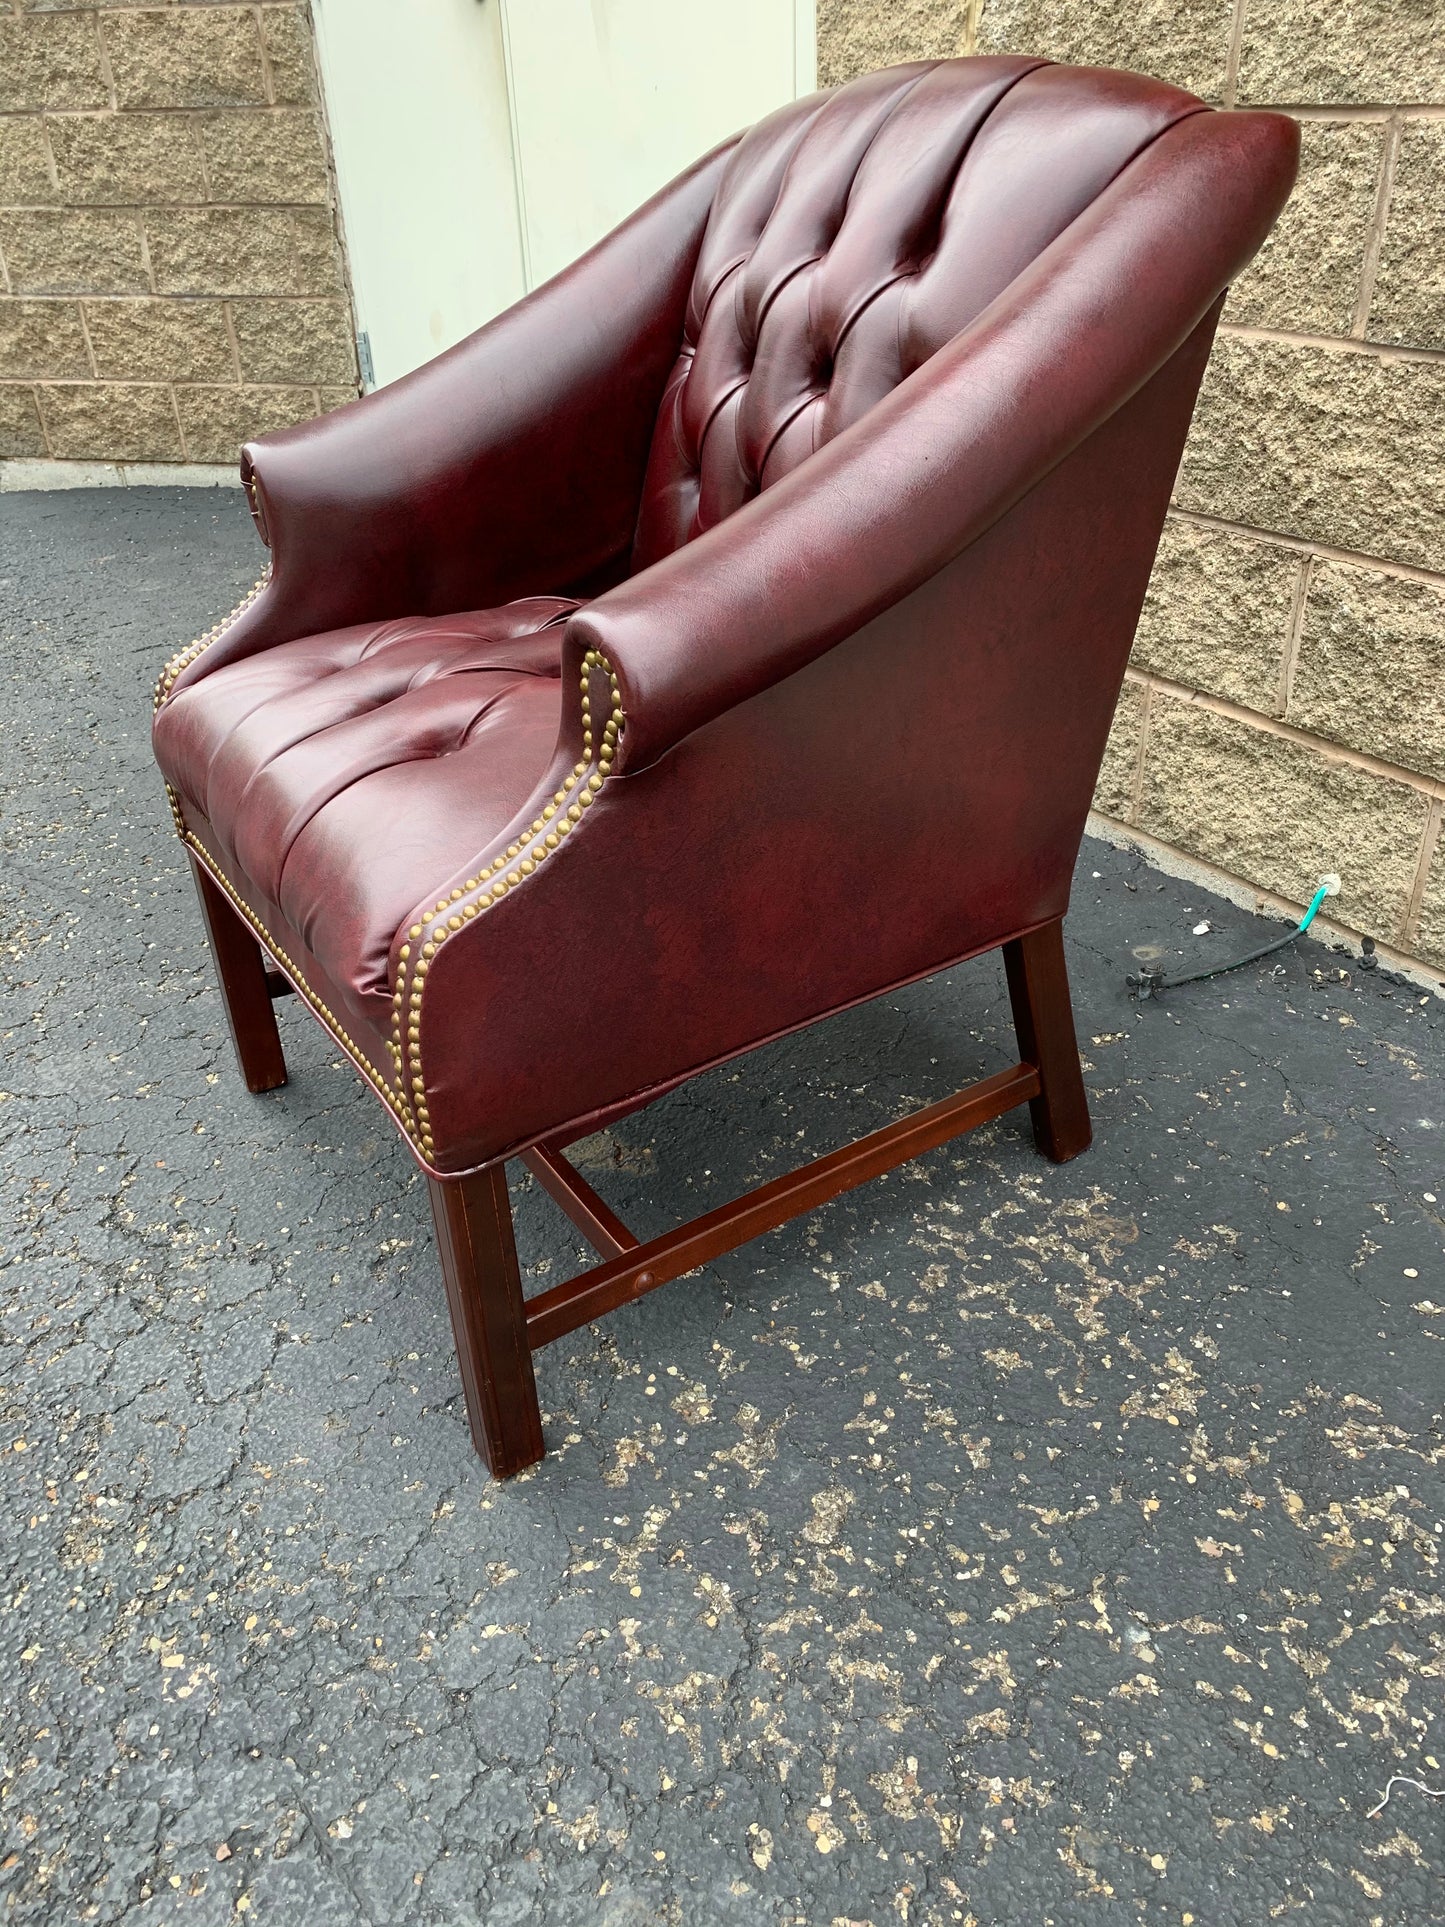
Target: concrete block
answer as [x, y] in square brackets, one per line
[1430, 941]
[73, 251]
[263, 251]
[27, 475]
[1368, 51]
[1217, 614]
[855, 36]
[24, 162]
[20, 430]
[185, 56]
[158, 340]
[1188, 45]
[1281, 814]
[126, 159]
[50, 60]
[1114, 792]
[42, 338]
[218, 420]
[288, 54]
[295, 341]
[1409, 297]
[111, 421]
[268, 155]
[1306, 277]
[1371, 669]
[1342, 448]
[317, 252]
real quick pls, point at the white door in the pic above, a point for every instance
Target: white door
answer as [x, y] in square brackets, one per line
[416, 100]
[611, 98]
[481, 145]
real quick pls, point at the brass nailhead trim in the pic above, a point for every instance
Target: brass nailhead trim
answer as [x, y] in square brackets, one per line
[503, 873]
[177, 817]
[407, 1101]
[323, 1011]
[183, 658]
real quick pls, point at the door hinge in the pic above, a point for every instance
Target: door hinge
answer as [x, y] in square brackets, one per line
[363, 359]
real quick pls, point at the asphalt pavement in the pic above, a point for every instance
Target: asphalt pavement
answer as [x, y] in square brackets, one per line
[1001, 1544]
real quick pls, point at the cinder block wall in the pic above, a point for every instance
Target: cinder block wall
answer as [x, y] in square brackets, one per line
[170, 277]
[1285, 710]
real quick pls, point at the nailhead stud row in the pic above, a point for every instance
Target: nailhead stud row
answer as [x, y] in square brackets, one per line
[185, 657]
[323, 1010]
[558, 819]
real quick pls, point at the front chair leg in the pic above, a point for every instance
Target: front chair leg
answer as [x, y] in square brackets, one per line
[1038, 988]
[241, 969]
[473, 1219]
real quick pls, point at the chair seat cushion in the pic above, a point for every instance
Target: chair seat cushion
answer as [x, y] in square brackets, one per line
[346, 776]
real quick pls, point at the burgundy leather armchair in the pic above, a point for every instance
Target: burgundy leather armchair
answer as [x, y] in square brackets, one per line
[725, 635]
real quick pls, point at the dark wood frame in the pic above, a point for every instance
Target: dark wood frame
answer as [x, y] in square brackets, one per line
[497, 1329]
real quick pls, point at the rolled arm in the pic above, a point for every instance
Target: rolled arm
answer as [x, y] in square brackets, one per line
[879, 510]
[510, 465]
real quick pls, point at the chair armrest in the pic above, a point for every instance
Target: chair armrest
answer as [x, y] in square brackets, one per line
[928, 470]
[511, 464]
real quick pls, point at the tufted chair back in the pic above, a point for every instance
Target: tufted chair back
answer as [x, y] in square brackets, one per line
[852, 236]
[545, 807]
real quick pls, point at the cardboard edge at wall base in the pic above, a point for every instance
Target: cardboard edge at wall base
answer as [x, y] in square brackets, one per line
[1248, 896]
[19, 475]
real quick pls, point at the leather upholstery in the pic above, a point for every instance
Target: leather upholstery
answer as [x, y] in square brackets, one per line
[510, 465]
[336, 769]
[852, 237]
[835, 476]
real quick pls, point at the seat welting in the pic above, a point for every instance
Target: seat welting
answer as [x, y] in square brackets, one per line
[345, 775]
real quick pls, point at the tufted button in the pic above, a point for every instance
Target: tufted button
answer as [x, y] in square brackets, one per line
[880, 222]
[345, 775]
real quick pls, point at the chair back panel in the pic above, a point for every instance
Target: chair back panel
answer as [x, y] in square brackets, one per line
[854, 234]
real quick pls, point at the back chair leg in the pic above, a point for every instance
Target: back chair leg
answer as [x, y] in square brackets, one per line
[473, 1219]
[241, 969]
[1038, 988]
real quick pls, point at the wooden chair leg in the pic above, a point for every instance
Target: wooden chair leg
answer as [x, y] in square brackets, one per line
[484, 1291]
[1038, 988]
[241, 968]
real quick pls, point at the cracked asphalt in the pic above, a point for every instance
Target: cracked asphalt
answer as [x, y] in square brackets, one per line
[1001, 1544]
